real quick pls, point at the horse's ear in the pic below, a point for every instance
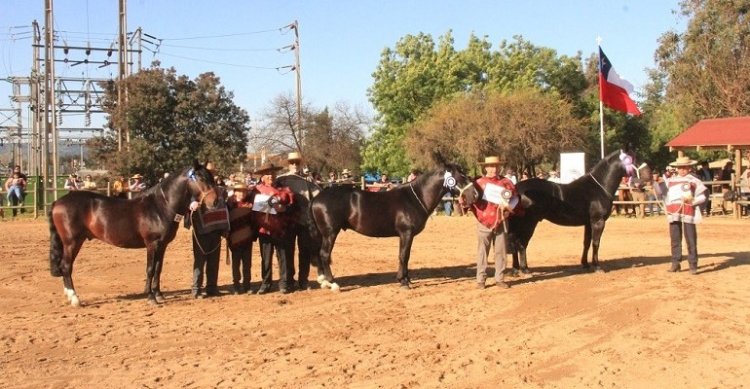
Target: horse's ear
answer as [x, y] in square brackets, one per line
[196, 164]
[438, 158]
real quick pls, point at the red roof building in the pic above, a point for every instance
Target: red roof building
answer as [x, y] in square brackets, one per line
[725, 133]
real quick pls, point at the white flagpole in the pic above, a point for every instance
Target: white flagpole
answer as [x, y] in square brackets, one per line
[601, 105]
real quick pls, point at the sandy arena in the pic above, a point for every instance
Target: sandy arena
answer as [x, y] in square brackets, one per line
[634, 326]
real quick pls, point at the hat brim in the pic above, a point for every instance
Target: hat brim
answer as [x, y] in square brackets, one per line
[684, 164]
[266, 171]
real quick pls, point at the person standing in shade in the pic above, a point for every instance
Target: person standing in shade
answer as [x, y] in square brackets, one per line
[685, 193]
[241, 237]
[491, 211]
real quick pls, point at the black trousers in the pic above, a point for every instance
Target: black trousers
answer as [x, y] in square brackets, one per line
[676, 231]
[304, 243]
[241, 264]
[206, 249]
[268, 245]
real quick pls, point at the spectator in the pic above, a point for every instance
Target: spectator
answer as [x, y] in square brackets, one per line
[89, 183]
[413, 175]
[384, 183]
[71, 183]
[638, 193]
[511, 175]
[293, 160]
[554, 176]
[137, 185]
[15, 185]
[524, 176]
[727, 171]
[655, 192]
[120, 188]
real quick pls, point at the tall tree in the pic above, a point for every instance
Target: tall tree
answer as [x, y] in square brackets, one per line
[172, 120]
[330, 140]
[707, 65]
[416, 75]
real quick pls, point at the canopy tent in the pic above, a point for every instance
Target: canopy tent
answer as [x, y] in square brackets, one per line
[719, 163]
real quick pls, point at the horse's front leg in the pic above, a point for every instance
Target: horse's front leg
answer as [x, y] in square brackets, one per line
[326, 248]
[158, 264]
[403, 255]
[586, 245]
[150, 270]
[598, 229]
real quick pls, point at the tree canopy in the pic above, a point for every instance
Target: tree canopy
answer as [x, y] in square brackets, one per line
[417, 74]
[172, 120]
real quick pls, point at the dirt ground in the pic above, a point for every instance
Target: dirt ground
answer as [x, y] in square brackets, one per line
[633, 326]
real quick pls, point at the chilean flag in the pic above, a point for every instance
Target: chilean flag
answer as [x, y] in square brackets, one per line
[613, 90]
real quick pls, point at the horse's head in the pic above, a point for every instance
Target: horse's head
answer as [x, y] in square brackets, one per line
[454, 178]
[201, 185]
[642, 171]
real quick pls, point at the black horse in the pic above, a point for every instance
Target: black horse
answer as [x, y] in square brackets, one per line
[587, 202]
[402, 212]
[151, 220]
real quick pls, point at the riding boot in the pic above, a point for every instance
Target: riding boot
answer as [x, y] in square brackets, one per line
[675, 267]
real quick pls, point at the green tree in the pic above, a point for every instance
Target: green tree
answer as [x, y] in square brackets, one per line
[527, 127]
[707, 65]
[415, 75]
[171, 121]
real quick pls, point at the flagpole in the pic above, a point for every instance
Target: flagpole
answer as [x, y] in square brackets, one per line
[601, 126]
[601, 105]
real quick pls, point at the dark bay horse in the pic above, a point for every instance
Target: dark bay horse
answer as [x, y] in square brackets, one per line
[587, 201]
[150, 220]
[402, 212]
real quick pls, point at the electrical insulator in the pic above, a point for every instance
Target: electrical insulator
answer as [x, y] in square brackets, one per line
[87, 119]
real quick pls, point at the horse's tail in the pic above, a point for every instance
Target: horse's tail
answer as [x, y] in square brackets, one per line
[55, 247]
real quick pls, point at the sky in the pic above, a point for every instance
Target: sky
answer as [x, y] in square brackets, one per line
[340, 41]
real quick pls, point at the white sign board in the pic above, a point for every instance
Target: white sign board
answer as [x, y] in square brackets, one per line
[572, 166]
[260, 204]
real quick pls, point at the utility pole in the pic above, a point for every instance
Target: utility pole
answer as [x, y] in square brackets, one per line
[300, 133]
[50, 125]
[122, 94]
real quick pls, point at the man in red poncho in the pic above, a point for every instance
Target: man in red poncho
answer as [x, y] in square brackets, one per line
[271, 205]
[491, 211]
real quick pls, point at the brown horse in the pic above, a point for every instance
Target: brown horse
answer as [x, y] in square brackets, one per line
[150, 220]
[402, 212]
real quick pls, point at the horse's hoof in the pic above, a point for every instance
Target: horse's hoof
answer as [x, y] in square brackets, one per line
[325, 284]
[159, 298]
[599, 270]
[152, 301]
[405, 287]
[335, 287]
[526, 271]
[74, 301]
[321, 278]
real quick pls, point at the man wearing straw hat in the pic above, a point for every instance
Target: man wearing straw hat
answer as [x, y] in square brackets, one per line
[271, 203]
[296, 239]
[685, 193]
[491, 212]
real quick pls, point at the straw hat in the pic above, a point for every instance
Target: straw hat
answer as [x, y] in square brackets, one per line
[491, 161]
[239, 186]
[294, 157]
[267, 168]
[682, 162]
[136, 176]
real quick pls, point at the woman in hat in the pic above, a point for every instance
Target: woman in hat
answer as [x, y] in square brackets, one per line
[685, 193]
[491, 211]
[241, 237]
[275, 226]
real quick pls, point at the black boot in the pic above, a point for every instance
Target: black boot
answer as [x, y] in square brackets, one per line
[675, 267]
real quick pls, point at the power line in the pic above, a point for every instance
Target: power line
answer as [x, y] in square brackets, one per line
[224, 35]
[217, 62]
